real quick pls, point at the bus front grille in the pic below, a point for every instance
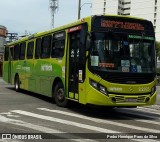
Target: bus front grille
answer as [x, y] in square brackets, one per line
[122, 99]
[122, 78]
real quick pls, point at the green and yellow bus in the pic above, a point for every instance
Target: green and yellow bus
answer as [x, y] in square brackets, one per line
[101, 60]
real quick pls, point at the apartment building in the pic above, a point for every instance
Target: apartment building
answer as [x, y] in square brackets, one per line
[147, 9]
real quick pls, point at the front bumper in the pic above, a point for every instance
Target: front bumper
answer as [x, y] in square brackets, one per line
[97, 98]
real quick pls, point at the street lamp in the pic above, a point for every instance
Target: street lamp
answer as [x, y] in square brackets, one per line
[79, 8]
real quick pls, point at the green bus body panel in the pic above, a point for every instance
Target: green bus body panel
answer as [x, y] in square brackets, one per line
[6, 70]
[38, 75]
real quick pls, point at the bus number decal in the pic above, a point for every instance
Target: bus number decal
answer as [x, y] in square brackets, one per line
[143, 89]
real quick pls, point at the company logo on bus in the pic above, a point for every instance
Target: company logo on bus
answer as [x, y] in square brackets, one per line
[46, 67]
[122, 25]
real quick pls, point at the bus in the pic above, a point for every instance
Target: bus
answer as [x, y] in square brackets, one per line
[101, 60]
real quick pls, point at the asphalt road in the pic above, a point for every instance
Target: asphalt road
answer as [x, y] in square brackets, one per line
[158, 95]
[26, 115]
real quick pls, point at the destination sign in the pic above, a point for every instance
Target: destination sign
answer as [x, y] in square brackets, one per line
[122, 25]
[73, 29]
[60, 35]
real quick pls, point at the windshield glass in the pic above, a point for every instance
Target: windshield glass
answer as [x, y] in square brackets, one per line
[122, 53]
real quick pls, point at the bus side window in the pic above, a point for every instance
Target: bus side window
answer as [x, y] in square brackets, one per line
[30, 50]
[58, 45]
[38, 48]
[12, 52]
[22, 51]
[16, 52]
[58, 48]
[46, 46]
[6, 53]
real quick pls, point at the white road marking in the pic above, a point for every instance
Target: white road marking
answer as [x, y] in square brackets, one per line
[71, 123]
[103, 121]
[34, 127]
[145, 121]
[28, 125]
[6, 113]
[137, 113]
[66, 122]
[153, 111]
[148, 121]
[9, 114]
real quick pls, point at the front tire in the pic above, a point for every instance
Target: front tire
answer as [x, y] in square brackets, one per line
[17, 84]
[59, 95]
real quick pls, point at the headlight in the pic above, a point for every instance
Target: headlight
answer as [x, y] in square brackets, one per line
[103, 89]
[94, 84]
[99, 87]
[153, 90]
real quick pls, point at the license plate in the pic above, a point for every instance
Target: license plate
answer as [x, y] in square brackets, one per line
[131, 100]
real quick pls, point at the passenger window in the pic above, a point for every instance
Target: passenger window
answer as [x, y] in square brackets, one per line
[12, 52]
[46, 46]
[16, 52]
[38, 48]
[30, 50]
[22, 51]
[6, 53]
[58, 45]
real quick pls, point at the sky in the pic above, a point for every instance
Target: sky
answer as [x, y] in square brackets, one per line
[19, 16]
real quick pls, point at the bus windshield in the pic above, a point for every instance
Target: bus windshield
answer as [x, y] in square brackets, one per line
[120, 52]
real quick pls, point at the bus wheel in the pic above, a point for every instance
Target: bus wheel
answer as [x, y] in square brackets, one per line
[17, 83]
[59, 95]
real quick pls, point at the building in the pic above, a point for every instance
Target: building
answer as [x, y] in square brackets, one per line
[3, 32]
[147, 9]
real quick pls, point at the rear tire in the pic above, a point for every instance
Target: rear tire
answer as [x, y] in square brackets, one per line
[59, 95]
[17, 84]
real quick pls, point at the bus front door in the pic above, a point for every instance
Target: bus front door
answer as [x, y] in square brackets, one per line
[73, 64]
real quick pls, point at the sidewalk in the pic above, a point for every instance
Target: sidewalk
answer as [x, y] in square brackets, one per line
[1, 79]
[3, 83]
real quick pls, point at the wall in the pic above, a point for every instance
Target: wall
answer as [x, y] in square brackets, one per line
[111, 7]
[3, 32]
[158, 21]
[98, 6]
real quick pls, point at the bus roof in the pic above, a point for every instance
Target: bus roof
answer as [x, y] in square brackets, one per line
[80, 21]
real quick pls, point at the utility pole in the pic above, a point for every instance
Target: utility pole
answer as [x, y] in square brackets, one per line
[80, 6]
[79, 9]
